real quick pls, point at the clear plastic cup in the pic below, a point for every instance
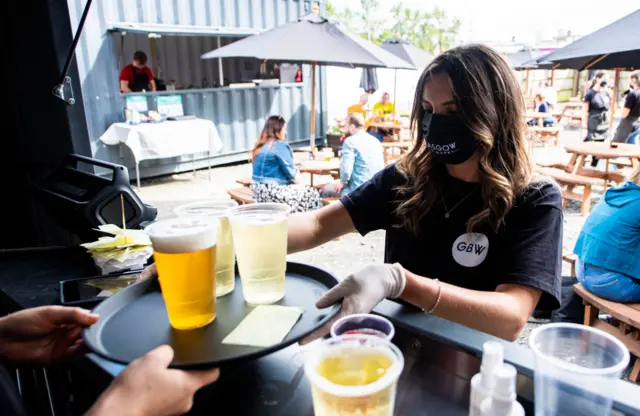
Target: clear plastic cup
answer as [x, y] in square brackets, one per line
[225, 255]
[354, 375]
[576, 368]
[363, 324]
[184, 249]
[260, 240]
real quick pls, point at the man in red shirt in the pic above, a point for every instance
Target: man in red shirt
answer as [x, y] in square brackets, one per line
[136, 76]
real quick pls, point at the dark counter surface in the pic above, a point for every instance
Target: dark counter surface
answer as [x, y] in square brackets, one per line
[440, 356]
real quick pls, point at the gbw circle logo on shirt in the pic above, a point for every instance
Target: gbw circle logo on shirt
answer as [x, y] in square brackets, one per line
[470, 250]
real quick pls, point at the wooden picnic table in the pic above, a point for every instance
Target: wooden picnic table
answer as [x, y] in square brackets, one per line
[389, 147]
[396, 129]
[319, 167]
[541, 116]
[580, 151]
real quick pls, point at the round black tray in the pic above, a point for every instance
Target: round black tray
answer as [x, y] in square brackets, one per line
[134, 321]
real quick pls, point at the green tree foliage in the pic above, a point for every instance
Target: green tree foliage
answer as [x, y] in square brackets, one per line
[433, 31]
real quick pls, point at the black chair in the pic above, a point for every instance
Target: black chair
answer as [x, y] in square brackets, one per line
[81, 200]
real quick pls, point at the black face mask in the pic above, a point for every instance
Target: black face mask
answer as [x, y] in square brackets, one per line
[448, 139]
[603, 84]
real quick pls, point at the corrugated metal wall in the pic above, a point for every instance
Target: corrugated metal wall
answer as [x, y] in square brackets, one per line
[99, 67]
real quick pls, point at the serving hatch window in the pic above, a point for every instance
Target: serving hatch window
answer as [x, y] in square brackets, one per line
[175, 60]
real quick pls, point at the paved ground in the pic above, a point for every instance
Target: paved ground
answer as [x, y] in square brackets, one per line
[339, 257]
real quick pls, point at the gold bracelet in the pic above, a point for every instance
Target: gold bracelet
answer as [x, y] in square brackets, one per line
[435, 305]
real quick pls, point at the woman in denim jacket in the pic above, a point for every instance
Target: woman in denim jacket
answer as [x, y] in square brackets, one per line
[274, 171]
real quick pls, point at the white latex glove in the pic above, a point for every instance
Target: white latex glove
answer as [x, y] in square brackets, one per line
[361, 292]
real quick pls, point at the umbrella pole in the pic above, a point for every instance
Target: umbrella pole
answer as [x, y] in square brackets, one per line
[220, 70]
[313, 107]
[616, 81]
[395, 98]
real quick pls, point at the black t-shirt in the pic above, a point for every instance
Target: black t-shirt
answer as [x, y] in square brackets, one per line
[599, 101]
[632, 102]
[526, 251]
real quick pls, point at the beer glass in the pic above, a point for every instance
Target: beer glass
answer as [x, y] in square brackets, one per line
[354, 375]
[225, 256]
[184, 250]
[260, 240]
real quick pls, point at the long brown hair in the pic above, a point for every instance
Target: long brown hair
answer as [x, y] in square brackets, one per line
[272, 130]
[490, 103]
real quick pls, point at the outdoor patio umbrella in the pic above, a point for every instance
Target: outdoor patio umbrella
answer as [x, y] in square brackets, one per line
[315, 40]
[369, 80]
[614, 46]
[406, 51]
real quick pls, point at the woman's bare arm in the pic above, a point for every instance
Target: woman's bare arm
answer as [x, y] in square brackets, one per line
[510, 305]
[312, 229]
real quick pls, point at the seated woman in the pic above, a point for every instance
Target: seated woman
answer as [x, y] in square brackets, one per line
[608, 246]
[542, 106]
[274, 172]
[471, 235]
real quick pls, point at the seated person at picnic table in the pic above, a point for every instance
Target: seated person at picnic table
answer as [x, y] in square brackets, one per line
[360, 107]
[380, 109]
[608, 247]
[274, 171]
[362, 157]
[541, 107]
[631, 112]
[472, 235]
[49, 335]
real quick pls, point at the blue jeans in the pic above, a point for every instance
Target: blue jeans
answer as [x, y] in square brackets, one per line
[607, 284]
[634, 138]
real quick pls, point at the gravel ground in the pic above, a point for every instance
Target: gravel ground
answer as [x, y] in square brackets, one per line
[353, 251]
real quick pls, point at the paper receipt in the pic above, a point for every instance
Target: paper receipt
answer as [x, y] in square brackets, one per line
[265, 326]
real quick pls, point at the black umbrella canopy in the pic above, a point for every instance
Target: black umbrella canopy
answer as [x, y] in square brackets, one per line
[614, 46]
[406, 51]
[312, 39]
[524, 59]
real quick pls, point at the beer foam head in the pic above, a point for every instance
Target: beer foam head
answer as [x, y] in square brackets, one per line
[183, 234]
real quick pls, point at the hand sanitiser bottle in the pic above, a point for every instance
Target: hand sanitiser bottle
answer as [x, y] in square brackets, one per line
[503, 399]
[483, 382]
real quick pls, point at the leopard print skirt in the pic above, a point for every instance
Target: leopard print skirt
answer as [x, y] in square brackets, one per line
[299, 197]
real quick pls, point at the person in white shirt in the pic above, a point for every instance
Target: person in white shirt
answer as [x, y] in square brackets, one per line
[550, 94]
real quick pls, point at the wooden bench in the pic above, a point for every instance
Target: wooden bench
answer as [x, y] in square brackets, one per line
[246, 181]
[544, 134]
[626, 325]
[571, 181]
[241, 195]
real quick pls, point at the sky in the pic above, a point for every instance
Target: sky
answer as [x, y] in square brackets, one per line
[527, 20]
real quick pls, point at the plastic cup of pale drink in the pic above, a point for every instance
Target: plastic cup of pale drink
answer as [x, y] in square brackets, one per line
[260, 240]
[354, 375]
[576, 369]
[184, 250]
[225, 255]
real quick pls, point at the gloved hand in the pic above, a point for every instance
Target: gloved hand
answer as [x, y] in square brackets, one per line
[361, 292]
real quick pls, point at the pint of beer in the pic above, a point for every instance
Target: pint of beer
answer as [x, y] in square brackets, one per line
[185, 253]
[260, 240]
[354, 375]
[225, 255]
